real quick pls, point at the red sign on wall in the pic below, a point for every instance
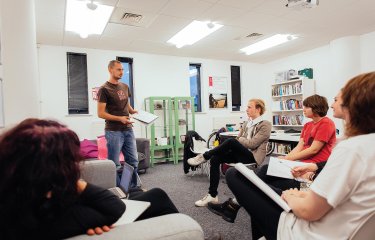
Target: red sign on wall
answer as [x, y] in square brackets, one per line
[210, 81]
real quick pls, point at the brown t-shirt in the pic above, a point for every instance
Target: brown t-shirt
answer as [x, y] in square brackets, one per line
[116, 97]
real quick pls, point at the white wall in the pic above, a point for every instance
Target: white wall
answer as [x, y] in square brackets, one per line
[158, 75]
[333, 65]
[154, 75]
[367, 50]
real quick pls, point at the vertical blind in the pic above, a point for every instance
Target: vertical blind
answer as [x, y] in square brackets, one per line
[78, 102]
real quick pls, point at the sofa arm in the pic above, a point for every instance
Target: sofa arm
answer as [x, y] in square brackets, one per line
[102, 173]
[168, 227]
[143, 146]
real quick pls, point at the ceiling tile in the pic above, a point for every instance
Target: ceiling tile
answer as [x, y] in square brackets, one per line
[188, 9]
[152, 6]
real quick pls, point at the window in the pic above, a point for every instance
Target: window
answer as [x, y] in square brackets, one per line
[78, 99]
[236, 87]
[127, 78]
[195, 85]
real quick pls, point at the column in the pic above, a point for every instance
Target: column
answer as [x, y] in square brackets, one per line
[19, 59]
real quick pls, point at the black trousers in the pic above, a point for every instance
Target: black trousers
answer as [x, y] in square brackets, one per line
[278, 184]
[230, 151]
[264, 212]
[161, 204]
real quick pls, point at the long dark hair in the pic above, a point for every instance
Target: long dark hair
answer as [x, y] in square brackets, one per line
[38, 158]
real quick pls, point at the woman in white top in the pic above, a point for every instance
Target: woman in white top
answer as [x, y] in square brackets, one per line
[341, 197]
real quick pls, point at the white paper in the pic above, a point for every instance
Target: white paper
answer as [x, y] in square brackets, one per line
[144, 117]
[282, 168]
[133, 210]
[249, 174]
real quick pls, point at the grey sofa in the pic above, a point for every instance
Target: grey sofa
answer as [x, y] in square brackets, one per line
[169, 227]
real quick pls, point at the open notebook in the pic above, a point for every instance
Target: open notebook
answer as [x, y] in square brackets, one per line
[249, 174]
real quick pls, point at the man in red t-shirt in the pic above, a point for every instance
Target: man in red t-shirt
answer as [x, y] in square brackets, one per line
[318, 136]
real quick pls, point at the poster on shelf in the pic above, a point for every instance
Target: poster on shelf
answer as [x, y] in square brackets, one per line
[217, 92]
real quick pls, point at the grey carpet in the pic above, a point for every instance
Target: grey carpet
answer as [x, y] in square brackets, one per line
[184, 190]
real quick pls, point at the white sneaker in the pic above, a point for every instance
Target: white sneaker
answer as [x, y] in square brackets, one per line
[195, 161]
[204, 201]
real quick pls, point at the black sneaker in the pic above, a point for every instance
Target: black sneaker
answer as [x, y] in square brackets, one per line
[227, 210]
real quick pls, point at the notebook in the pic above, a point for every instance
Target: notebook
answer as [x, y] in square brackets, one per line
[133, 210]
[249, 174]
[145, 117]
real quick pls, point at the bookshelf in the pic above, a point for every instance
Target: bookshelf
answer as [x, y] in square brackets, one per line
[287, 109]
[287, 98]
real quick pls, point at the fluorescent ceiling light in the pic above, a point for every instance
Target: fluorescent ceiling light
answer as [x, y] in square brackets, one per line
[193, 32]
[84, 20]
[268, 43]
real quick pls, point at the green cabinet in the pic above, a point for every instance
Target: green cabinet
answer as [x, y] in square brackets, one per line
[184, 121]
[160, 132]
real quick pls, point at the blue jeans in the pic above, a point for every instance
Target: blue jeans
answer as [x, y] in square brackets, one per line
[123, 141]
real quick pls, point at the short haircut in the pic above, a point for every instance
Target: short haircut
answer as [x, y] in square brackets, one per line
[317, 103]
[259, 104]
[112, 63]
[358, 98]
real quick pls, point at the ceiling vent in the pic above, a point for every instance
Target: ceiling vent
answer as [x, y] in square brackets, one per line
[131, 18]
[127, 17]
[250, 36]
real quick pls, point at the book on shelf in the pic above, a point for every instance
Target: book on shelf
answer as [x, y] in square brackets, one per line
[288, 89]
[287, 120]
[282, 148]
[249, 174]
[145, 117]
[290, 104]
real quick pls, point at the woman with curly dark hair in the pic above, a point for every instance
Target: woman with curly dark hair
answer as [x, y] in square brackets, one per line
[42, 196]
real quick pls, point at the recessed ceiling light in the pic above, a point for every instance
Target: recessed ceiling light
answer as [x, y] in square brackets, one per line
[84, 18]
[267, 43]
[193, 32]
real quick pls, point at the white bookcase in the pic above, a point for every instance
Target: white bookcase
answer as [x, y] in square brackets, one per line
[287, 111]
[287, 98]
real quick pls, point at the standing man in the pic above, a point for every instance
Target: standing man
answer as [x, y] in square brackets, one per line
[114, 107]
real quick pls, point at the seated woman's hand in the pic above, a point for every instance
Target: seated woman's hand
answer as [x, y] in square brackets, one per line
[81, 185]
[292, 193]
[304, 171]
[99, 230]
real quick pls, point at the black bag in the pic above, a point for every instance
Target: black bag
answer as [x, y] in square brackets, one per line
[188, 145]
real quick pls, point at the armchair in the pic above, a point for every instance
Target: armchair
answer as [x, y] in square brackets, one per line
[169, 227]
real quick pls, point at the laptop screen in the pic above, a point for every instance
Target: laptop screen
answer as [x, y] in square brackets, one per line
[126, 177]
